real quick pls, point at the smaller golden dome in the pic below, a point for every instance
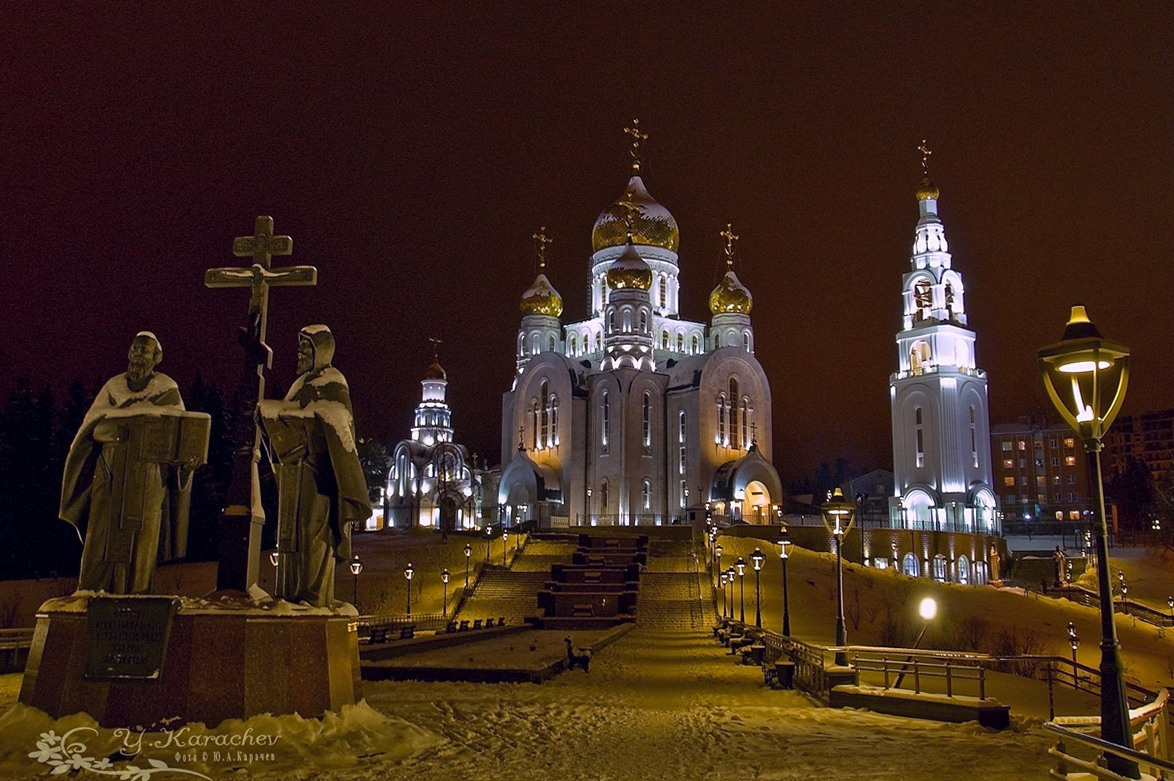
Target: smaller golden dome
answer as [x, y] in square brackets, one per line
[928, 191]
[435, 372]
[629, 271]
[730, 296]
[541, 299]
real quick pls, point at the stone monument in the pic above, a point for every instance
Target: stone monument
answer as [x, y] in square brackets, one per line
[138, 660]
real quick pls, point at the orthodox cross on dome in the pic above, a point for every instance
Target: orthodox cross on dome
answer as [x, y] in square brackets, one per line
[730, 237]
[638, 140]
[436, 342]
[540, 242]
[925, 153]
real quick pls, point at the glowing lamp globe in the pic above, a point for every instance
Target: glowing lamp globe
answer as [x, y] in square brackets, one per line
[1086, 376]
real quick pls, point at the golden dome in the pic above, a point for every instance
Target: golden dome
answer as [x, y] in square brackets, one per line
[928, 191]
[435, 372]
[730, 296]
[629, 271]
[652, 225]
[541, 299]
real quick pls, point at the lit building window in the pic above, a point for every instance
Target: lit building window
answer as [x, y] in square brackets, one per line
[973, 437]
[695, 344]
[646, 495]
[680, 343]
[664, 340]
[1070, 460]
[919, 436]
[647, 422]
[604, 422]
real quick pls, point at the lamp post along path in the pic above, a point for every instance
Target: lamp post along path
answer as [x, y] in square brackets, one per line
[838, 515]
[784, 554]
[1086, 376]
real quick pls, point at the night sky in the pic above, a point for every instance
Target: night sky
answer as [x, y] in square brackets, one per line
[411, 149]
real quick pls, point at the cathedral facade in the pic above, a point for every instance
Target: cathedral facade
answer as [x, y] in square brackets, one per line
[941, 425]
[634, 415]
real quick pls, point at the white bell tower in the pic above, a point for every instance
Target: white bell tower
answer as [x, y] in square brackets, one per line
[941, 427]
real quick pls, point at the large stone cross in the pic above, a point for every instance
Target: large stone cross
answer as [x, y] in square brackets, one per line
[242, 517]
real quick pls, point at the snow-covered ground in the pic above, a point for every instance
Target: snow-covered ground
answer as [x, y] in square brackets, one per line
[655, 705]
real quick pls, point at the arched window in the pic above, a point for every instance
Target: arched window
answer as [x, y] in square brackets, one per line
[664, 287]
[603, 497]
[722, 437]
[910, 566]
[553, 442]
[735, 442]
[521, 344]
[664, 340]
[950, 300]
[646, 495]
[627, 321]
[681, 430]
[964, 570]
[552, 345]
[717, 341]
[598, 339]
[939, 568]
[746, 341]
[574, 345]
[746, 438]
[534, 424]
[973, 437]
[611, 322]
[544, 414]
[605, 422]
[695, 344]
[643, 322]
[922, 299]
[680, 343]
[647, 428]
[919, 435]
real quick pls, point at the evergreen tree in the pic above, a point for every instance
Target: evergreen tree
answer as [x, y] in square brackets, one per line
[1132, 490]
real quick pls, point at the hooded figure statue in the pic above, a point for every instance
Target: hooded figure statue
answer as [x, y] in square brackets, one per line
[320, 484]
[127, 479]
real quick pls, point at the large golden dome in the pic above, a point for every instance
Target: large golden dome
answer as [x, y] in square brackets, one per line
[541, 299]
[928, 191]
[652, 224]
[730, 296]
[629, 271]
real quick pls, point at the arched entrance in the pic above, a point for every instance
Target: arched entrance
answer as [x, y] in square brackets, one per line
[757, 506]
[449, 510]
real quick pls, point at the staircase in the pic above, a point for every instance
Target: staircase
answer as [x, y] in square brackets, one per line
[670, 589]
[513, 592]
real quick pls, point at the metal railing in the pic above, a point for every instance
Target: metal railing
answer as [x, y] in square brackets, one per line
[895, 667]
[1151, 730]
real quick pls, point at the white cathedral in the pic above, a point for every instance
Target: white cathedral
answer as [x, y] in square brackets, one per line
[941, 428]
[635, 415]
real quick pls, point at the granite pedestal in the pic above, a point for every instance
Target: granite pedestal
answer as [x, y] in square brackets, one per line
[227, 658]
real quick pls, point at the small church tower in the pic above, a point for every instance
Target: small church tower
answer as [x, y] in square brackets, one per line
[941, 428]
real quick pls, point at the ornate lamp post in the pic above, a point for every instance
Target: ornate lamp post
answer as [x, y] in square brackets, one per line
[356, 568]
[408, 573]
[757, 559]
[730, 574]
[722, 581]
[784, 554]
[468, 554]
[444, 580]
[717, 552]
[838, 515]
[1086, 376]
[740, 565]
[1073, 641]
[488, 541]
[1170, 604]
[505, 539]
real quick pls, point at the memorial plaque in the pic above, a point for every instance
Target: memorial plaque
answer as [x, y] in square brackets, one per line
[128, 637]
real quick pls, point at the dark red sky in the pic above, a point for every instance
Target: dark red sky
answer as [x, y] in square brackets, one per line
[411, 150]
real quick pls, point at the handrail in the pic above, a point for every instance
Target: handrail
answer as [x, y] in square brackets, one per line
[1140, 757]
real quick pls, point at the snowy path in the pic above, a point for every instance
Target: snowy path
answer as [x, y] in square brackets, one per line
[674, 706]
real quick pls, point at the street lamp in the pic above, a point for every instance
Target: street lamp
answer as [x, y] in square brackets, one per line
[274, 556]
[356, 568]
[785, 544]
[928, 610]
[1073, 641]
[408, 573]
[468, 554]
[1170, 604]
[730, 574]
[757, 558]
[488, 540]
[717, 551]
[444, 580]
[722, 580]
[740, 564]
[896, 563]
[1086, 376]
[505, 539]
[838, 515]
